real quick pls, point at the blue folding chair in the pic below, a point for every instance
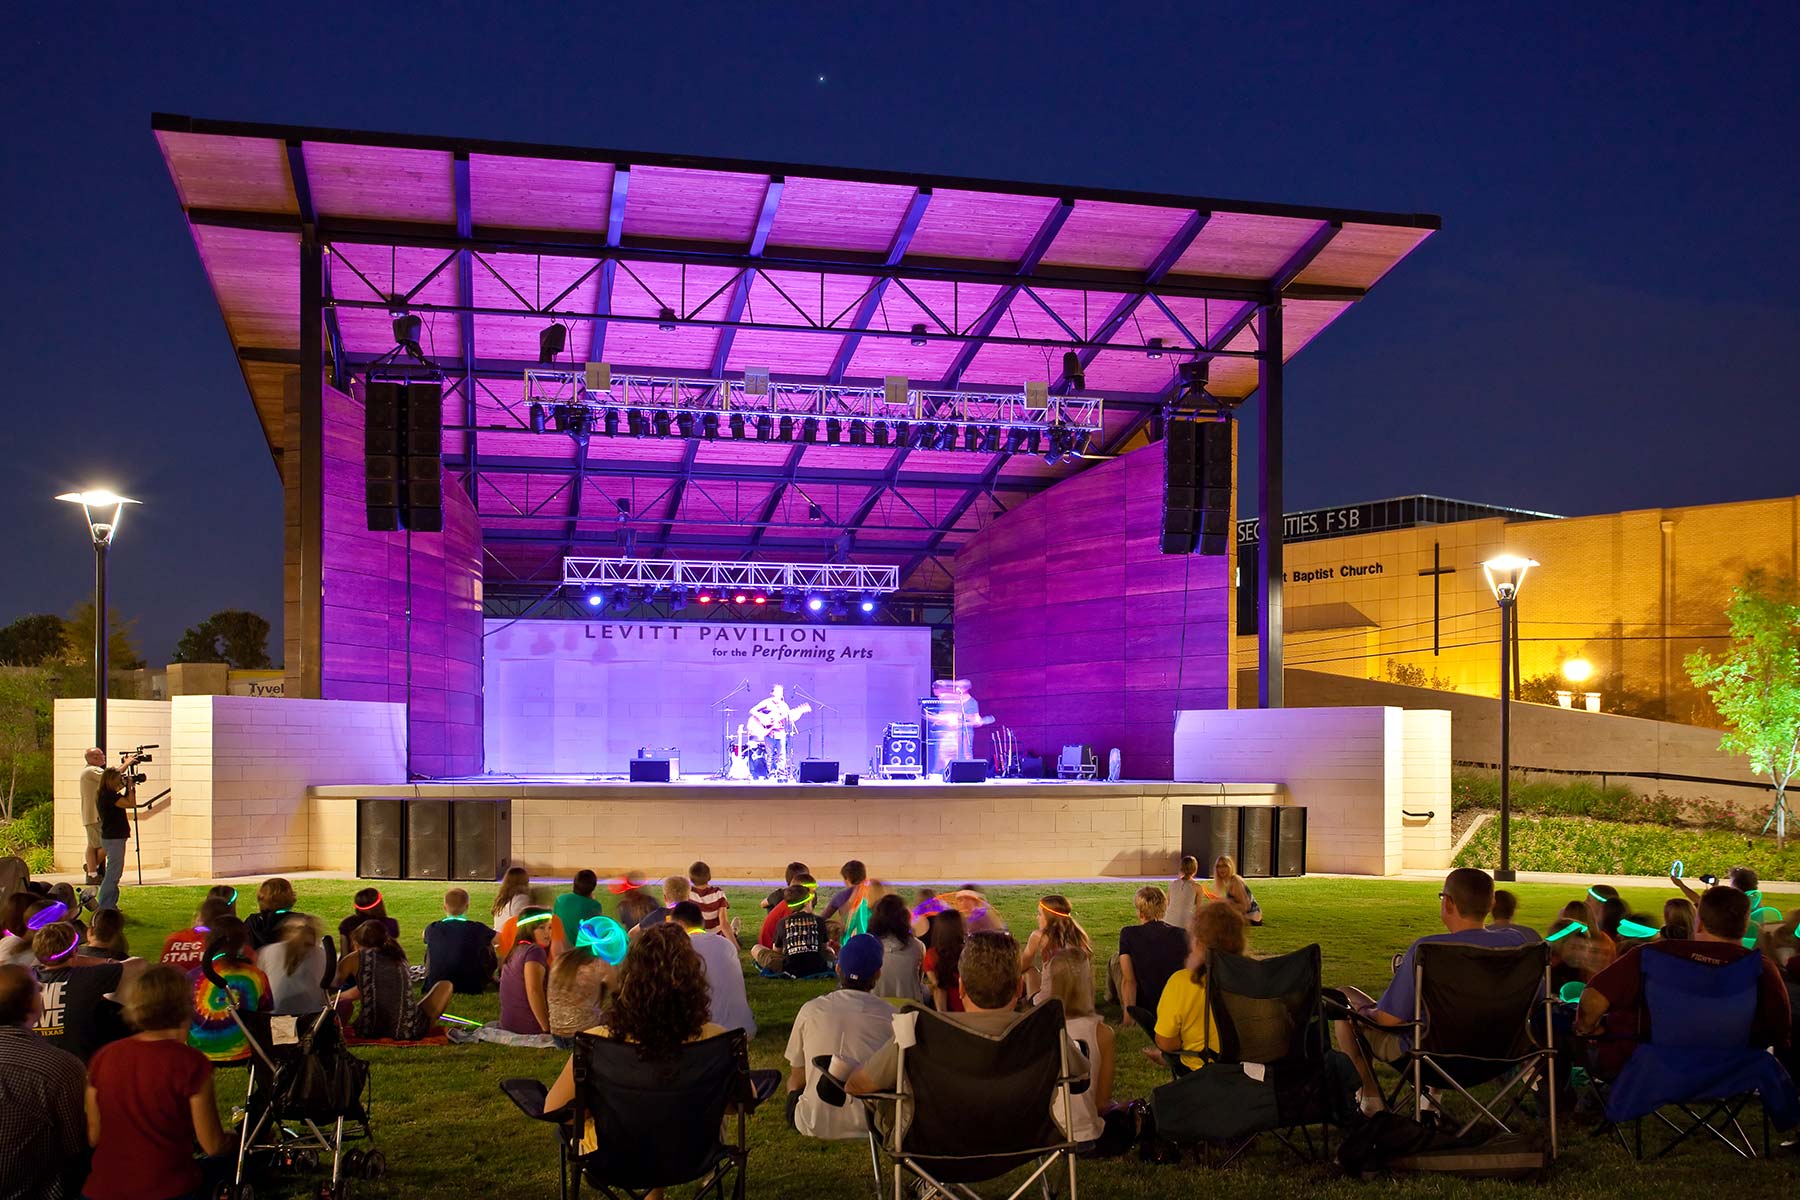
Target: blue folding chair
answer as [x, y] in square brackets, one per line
[1699, 1060]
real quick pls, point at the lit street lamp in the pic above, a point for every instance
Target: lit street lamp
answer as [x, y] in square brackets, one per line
[102, 526]
[1505, 574]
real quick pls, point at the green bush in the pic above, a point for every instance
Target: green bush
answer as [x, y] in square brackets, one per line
[1585, 798]
[1581, 846]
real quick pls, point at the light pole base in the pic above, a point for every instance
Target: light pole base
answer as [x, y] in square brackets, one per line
[1507, 876]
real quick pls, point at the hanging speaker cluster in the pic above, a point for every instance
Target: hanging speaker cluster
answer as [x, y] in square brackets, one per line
[403, 446]
[1197, 486]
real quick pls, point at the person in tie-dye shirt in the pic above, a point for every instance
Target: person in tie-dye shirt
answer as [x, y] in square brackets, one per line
[213, 1032]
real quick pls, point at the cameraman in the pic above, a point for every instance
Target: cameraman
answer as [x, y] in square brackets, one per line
[118, 793]
[91, 860]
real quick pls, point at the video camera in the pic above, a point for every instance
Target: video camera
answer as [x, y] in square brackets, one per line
[130, 760]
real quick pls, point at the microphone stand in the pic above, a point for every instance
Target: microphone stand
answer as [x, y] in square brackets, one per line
[824, 741]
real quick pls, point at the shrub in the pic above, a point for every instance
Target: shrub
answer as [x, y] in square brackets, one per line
[1614, 848]
[29, 837]
[1585, 798]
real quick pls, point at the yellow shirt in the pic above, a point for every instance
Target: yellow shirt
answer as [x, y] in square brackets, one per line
[1181, 1013]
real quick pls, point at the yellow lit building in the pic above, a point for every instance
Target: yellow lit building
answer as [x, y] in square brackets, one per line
[1629, 594]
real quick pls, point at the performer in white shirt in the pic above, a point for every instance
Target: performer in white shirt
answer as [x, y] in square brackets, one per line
[773, 720]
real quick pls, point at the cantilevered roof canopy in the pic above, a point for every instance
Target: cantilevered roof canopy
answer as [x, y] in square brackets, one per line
[819, 274]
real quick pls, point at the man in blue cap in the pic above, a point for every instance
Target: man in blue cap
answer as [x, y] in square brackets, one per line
[849, 1024]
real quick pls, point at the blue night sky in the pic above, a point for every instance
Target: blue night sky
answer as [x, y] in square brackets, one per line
[1608, 319]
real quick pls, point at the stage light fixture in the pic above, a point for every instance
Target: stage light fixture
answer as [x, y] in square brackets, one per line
[636, 422]
[840, 604]
[684, 425]
[623, 504]
[594, 599]
[881, 436]
[765, 428]
[815, 604]
[918, 335]
[660, 421]
[1034, 441]
[1073, 371]
[759, 598]
[737, 425]
[704, 598]
[1153, 348]
[665, 319]
[991, 442]
[920, 436]
[790, 602]
[618, 599]
[407, 328]
[1015, 440]
[809, 430]
[709, 426]
[868, 603]
[834, 430]
[551, 340]
[946, 437]
[537, 417]
[814, 512]
[859, 434]
[972, 436]
[678, 598]
[787, 429]
[1078, 446]
[740, 598]
[611, 422]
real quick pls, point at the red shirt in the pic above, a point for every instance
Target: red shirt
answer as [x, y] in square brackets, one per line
[183, 948]
[953, 1001]
[712, 904]
[771, 923]
[1628, 1021]
[146, 1149]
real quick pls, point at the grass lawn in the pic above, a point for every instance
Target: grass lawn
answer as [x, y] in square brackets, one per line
[447, 1130]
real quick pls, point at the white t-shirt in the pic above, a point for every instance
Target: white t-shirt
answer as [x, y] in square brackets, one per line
[724, 971]
[90, 795]
[901, 977]
[852, 1025]
[301, 993]
[512, 908]
[1184, 894]
[16, 952]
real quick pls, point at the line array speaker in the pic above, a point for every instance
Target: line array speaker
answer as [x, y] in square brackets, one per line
[1263, 840]
[433, 839]
[1197, 487]
[403, 444]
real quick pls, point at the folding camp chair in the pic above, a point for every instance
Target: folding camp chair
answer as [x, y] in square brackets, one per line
[970, 1108]
[656, 1123]
[1699, 1060]
[1077, 762]
[1480, 1014]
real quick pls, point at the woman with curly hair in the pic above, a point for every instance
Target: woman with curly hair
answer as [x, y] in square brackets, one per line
[660, 1004]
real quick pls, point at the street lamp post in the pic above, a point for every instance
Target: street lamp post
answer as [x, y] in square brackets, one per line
[102, 526]
[1505, 575]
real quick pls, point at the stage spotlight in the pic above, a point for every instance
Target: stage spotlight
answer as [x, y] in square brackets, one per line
[551, 340]
[1034, 441]
[918, 335]
[704, 597]
[665, 319]
[661, 422]
[834, 430]
[737, 425]
[859, 434]
[765, 428]
[759, 598]
[678, 598]
[790, 602]
[740, 598]
[881, 436]
[814, 512]
[619, 599]
[787, 429]
[593, 599]
[815, 604]
[623, 504]
[921, 436]
[972, 438]
[1074, 372]
[709, 426]
[1079, 445]
[946, 437]
[637, 423]
[991, 442]
[809, 430]
[684, 425]
[537, 417]
[407, 328]
[1153, 348]
[868, 603]
[611, 422]
[840, 604]
[1015, 440]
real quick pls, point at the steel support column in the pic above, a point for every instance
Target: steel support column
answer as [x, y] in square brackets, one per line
[1269, 509]
[311, 492]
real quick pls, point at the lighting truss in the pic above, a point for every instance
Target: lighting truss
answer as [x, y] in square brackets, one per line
[663, 574]
[723, 399]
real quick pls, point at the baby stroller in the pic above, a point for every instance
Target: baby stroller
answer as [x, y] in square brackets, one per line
[306, 1095]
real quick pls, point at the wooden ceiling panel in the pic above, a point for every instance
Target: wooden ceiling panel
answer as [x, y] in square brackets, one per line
[839, 214]
[256, 276]
[1102, 234]
[385, 183]
[985, 226]
[248, 174]
[1361, 254]
[691, 205]
[1245, 245]
[539, 193]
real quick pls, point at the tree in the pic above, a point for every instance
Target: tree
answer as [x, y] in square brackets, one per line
[1411, 675]
[231, 636]
[38, 640]
[25, 732]
[121, 653]
[1756, 684]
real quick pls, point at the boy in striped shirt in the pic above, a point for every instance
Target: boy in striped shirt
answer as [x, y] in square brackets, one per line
[711, 900]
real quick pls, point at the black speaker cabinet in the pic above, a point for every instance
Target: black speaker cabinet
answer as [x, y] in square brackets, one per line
[1256, 841]
[427, 839]
[651, 770]
[380, 839]
[818, 770]
[1290, 841]
[901, 755]
[481, 839]
[1207, 831]
[966, 770]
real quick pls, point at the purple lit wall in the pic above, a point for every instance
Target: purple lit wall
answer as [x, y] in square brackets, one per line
[1074, 627]
[370, 649]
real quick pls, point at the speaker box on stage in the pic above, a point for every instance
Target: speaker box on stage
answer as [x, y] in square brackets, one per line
[901, 754]
[428, 839]
[966, 770]
[1256, 841]
[652, 770]
[1207, 831]
[480, 839]
[380, 839]
[818, 770]
[1290, 841]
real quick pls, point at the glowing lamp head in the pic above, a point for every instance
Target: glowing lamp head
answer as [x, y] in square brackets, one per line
[740, 598]
[593, 599]
[868, 606]
[814, 604]
[1506, 574]
[103, 508]
[1578, 670]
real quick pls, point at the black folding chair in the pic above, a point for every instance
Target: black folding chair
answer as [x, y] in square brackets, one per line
[656, 1123]
[1480, 1015]
[970, 1108]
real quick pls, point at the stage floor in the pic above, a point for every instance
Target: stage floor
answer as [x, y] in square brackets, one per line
[903, 829]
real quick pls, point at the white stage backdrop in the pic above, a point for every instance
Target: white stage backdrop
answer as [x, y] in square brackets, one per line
[582, 697]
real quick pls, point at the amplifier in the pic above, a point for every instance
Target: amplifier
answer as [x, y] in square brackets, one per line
[966, 770]
[818, 770]
[902, 729]
[654, 770]
[901, 754]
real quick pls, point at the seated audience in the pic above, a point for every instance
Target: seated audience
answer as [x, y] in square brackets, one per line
[847, 912]
[524, 976]
[851, 1024]
[183, 948]
[106, 936]
[794, 871]
[978, 915]
[943, 962]
[79, 1014]
[1744, 879]
[43, 1132]
[275, 899]
[295, 966]
[1228, 887]
[382, 987]
[582, 977]
[1615, 996]
[514, 896]
[674, 891]
[1679, 921]
[1070, 979]
[800, 939]
[1184, 893]
[1506, 907]
[712, 900]
[724, 970]
[763, 954]
[459, 949]
[225, 892]
[1057, 932]
[1573, 958]
[1149, 952]
[1463, 908]
[573, 907]
[660, 1005]
[15, 876]
[1181, 1025]
[150, 1098]
[1605, 909]
[21, 915]
[902, 954]
[64, 894]
[368, 905]
[213, 1032]
[634, 902]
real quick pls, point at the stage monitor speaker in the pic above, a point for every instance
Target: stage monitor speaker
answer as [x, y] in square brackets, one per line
[651, 770]
[380, 839]
[428, 839]
[1256, 841]
[1290, 841]
[480, 839]
[1207, 831]
[1031, 766]
[818, 770]
[966, 770]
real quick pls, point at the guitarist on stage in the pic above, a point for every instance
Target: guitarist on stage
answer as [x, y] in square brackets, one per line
[774, 720]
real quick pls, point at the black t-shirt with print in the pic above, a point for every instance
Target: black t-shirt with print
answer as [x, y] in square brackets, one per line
[77, 1015]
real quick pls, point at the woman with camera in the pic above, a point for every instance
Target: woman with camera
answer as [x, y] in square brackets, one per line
[118, 795]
